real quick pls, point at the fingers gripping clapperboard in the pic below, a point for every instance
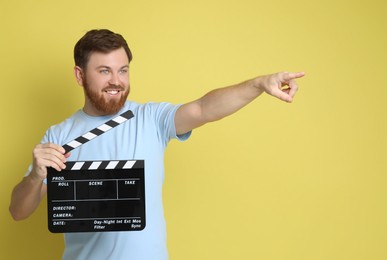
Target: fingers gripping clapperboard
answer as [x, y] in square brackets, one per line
[97, 196]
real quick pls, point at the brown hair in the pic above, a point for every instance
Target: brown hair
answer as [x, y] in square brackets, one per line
[101, 40]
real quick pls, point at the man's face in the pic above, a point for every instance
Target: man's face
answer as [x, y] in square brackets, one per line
[106, 82]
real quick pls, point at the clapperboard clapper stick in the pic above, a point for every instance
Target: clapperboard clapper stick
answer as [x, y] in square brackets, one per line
[98, 131]
[97, 196]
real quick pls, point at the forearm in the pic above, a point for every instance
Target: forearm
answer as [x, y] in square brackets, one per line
[216, 105]
[223, 102]
[26, 197]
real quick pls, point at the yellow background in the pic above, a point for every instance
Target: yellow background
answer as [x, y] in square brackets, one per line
[275, 181]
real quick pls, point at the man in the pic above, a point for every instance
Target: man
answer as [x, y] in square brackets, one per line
[102, 61]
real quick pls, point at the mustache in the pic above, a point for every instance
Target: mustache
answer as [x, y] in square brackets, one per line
[114, 87]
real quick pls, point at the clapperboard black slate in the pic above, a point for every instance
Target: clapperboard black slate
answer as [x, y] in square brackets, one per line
[97, 196]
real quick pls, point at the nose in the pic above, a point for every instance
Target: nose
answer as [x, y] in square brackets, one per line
[114, 79]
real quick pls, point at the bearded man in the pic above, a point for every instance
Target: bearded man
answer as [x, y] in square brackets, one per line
[102, 61]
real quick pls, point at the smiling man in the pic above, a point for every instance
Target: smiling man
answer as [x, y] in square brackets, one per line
[102, 61]
[104, 75]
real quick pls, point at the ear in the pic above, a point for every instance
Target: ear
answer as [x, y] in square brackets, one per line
[78, 72]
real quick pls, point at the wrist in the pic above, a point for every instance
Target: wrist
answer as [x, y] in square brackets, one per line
[35, 178]
[258, 84]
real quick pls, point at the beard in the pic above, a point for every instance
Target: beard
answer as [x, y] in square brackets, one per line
[103, 105]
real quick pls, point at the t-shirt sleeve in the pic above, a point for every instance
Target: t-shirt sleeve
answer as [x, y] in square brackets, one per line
[165, 117]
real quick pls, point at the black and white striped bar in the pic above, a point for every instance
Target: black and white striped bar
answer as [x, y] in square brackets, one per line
[104, 165]
[98, 131]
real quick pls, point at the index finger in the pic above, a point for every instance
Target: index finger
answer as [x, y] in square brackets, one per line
[293, 75]
[56, 147]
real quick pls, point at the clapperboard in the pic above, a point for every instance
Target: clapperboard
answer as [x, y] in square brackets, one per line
[97, 196]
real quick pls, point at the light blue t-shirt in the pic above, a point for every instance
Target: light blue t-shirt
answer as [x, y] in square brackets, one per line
[143, 137]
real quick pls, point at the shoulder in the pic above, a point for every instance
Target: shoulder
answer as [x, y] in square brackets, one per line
[152, 107]
[68, 122]
[59, 132]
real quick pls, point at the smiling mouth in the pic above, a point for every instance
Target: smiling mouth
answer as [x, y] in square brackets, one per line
[113, 91]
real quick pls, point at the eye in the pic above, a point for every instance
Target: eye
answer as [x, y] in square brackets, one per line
[123, 71]
[104, 71]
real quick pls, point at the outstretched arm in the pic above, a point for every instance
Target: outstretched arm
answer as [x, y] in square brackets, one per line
[222, 102]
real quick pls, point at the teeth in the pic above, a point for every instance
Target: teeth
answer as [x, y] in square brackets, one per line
[112, 92]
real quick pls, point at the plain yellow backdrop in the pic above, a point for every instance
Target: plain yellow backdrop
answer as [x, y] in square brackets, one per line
[302, 181]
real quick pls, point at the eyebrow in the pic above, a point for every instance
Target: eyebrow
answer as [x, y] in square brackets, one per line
[107, 67]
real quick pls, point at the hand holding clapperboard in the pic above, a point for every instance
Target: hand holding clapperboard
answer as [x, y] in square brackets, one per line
[97, 196]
